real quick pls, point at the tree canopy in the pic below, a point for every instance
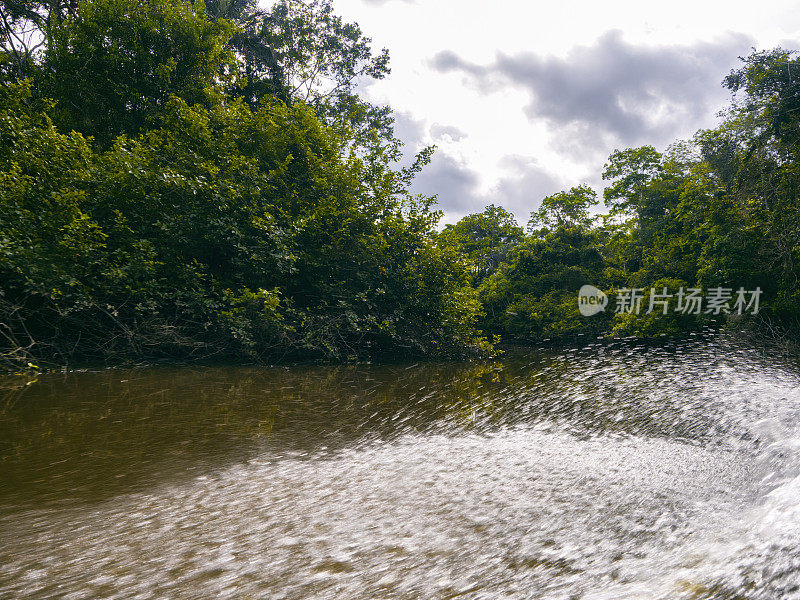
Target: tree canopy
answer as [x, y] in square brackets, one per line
[186, 180]
[149, 208]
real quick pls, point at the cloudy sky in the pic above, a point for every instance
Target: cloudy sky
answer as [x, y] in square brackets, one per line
[524, 99]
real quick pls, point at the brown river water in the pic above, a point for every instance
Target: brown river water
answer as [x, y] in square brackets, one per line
[613, 471]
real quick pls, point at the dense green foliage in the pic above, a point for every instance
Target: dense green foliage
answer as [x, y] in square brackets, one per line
[149, 209]
[189, 180]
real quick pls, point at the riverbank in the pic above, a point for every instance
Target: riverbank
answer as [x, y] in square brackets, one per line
[759, 333]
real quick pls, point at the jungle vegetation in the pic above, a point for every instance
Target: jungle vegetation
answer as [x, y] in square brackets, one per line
[182, 180]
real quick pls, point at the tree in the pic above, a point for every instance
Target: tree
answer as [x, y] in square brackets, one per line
[25, 30]
[534, 295]
[113, 66]
[301, 51]
[322, 59]
[565, 209]
[630, 171]
[485, 239]
[754, 154]
[196, 225]
[262, 73]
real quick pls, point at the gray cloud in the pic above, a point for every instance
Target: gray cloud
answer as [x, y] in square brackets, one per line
[441, 132]
[453, 183]
[412, 131]
[613, 91]
[409, 130]
[456, 186]
[521, 192]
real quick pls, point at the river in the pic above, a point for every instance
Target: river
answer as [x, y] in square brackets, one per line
[611, 471]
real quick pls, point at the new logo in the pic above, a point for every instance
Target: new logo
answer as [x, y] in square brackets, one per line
[591, 300]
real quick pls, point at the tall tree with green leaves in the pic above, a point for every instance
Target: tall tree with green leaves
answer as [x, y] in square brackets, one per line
[564, 209]
[486, 239]
[755, 155]
[113, 66]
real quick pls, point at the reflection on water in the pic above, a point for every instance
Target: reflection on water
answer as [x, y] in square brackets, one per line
[606, 472]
